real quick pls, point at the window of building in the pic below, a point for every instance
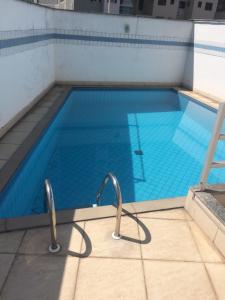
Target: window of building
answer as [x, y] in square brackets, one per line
[141, 4]
[199, 4]
[182, 4]
[172, 2]
[161, 2]
[221, 5]
[208, 6]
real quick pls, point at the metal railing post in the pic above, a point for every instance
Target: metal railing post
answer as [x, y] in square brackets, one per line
[54, 247]
[116, 234]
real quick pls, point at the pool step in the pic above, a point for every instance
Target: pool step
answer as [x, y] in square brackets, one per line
[218, 164]
[222, 137]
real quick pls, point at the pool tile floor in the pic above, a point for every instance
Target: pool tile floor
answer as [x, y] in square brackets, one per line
[164, 255]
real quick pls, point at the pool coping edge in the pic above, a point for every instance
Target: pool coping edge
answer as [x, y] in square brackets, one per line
[90, 213]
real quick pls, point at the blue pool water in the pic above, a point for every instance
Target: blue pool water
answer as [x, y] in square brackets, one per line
[100, 130]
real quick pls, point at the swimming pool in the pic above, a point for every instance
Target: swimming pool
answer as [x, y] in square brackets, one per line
[154, 141]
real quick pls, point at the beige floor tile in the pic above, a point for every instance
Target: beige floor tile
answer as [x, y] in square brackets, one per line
[112, 279]
[170, 239]
[33, 117]
[7, 150]
[24, 126]
[2, 163]
[103, 245]
[177, 281]
[9, 242]
[41, 277]
[5, 264]
[173, 214]
[16, 138]
[217, 275]
[204, 220]
[2, 225]
[220, 241]
[208, 251]
[36, 241]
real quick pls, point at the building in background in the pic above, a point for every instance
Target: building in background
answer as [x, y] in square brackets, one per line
[169, 9]
[63, 4]
[94, 6]
[178, 9]
[105, 6]
[220, 13]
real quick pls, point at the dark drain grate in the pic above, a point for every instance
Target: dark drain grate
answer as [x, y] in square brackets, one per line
[138, 152]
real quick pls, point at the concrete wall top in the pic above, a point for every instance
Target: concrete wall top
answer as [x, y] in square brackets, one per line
[211, 32]
[24, 16]
[115, 24]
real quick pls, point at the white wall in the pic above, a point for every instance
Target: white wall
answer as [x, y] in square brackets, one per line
[207, 65]
[24, 74]
[96, 61]
[26, 71]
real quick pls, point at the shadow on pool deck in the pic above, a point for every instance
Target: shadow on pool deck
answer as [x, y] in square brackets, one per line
[178, 256]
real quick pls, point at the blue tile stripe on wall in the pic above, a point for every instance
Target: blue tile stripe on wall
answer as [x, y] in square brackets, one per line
[7, 43]
[121, 40]
[209, 47]
[19, 41]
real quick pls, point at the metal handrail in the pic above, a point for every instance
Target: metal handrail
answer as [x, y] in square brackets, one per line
[54, 247]
[116, 233]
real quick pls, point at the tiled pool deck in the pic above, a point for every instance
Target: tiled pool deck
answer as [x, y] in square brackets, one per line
[166, 257]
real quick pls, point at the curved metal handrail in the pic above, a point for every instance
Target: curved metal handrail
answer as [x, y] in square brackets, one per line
[54, 246]
[116, 233]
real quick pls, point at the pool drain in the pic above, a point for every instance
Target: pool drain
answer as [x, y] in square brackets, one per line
[138, 152]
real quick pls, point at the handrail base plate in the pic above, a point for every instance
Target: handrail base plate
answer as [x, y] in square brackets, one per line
[116, 237]
[54, 250]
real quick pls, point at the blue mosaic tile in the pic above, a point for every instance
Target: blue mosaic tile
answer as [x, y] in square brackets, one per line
[100, 130]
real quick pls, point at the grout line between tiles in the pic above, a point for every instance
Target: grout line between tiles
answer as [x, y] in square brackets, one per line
[111, 257]
[208, 239]
[211, 282]
[194, 240]
[209, 278]
[142, 262]
[78, 266]
[12, 264]
[214, 238]
[155, 218]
